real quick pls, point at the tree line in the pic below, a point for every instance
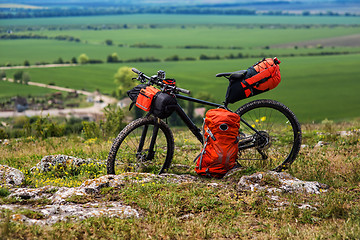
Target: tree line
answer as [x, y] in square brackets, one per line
[114, 58]
[11, 36]
[96, 11]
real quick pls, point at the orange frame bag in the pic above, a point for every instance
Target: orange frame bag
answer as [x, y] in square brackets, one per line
[145, 97]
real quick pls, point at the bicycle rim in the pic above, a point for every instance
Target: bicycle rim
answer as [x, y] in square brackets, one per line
[277, 142]
[130, 150]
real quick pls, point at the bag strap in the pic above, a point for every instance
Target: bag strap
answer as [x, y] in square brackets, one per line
[248, 86]
[131, 105]
[203, 151]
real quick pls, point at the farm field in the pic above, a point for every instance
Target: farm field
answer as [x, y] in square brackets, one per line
[318, 81]
[189, 42]
[21, 90]
[310, 85]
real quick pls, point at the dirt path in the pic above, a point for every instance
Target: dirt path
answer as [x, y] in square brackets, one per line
[40, 66]
[92, 112]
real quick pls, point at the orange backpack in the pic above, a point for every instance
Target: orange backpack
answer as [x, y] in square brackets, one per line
[219, 152]
[261, 77]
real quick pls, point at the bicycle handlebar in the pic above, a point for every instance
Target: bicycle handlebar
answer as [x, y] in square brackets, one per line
[155, 80]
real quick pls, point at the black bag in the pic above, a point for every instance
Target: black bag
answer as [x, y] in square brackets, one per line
[163, 105]
[133, 93]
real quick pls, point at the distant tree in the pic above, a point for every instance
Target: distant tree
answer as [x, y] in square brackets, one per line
[172, 58]
[2, 74]
[203, 57]
[26, 63]
[26, 78]
[123, 79]
[18, 76]
[83, 59]
[59, 61]
[113, 58]
[109, 42]
[109, 59]
[73, 60]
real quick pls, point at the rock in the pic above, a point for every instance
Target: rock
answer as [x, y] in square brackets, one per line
[321, 143]
[279, 182]
[10, 176]
[51, 214]
[117, 181]
[61, 196]
[348, 133]
[65, 161]
[61, 209]
[33, 193]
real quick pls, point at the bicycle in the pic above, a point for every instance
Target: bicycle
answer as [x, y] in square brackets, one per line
[269, 137]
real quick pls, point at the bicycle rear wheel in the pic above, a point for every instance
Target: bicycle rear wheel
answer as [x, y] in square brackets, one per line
[276, 142]
[132, 151]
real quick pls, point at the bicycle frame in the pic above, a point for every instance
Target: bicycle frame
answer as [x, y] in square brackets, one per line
[194, 129]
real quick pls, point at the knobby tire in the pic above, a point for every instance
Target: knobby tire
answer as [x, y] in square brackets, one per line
[124, 155]
[279, 125]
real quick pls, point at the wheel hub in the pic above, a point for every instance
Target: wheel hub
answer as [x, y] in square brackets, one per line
[262, 140]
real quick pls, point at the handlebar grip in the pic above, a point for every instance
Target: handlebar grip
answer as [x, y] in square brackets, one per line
[136, 71]
[183, 90]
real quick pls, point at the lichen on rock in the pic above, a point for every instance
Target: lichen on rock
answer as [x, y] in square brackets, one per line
[10, 176]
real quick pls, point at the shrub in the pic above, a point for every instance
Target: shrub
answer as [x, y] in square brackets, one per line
[91, 130]
[114, 117]
[4, 192]
[172, 58]
[3, 134]
[45, 128]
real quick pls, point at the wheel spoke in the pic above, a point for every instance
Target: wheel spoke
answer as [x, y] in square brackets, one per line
[275, 123]
[137, 149]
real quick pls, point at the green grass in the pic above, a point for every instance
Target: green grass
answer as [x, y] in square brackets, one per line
[212, 212]
[21, 90]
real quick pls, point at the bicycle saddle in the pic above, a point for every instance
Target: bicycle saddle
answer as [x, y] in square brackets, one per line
[237, 74]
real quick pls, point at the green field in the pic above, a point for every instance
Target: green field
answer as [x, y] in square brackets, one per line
[218, 40]
[13, 89]
[317, 82]
[181, 19]
[315, 88]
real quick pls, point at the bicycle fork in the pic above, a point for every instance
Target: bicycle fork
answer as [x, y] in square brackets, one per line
[150, 153]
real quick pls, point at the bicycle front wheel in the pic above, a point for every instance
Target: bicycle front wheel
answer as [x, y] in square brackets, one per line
[144, 145]
[270, 137]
